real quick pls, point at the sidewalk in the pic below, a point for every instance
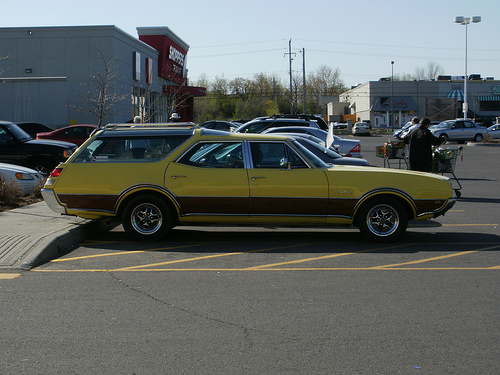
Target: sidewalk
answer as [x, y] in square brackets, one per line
[32, 235]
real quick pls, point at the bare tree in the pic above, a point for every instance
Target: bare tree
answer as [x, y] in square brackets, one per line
[101, 97]
[430, 71]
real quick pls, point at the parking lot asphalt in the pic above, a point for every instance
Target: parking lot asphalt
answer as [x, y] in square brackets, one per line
[34, 234]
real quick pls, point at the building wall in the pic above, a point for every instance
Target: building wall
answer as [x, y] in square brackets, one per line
[427, 98]
[47, 70]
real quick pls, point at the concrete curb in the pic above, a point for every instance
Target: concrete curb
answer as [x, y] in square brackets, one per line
[57, 243]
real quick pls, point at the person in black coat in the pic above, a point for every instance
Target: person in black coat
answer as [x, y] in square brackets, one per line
[420, 142]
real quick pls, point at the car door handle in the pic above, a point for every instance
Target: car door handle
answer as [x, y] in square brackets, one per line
[257, 178]
[174, 177]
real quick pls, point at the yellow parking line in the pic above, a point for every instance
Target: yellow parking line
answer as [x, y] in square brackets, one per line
[9, 276]
[435, 258]
[205, 257]
[281, 269]
[469, 225]
[321, 257]
[124, 253]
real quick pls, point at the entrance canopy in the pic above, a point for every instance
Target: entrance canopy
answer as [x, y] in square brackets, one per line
[456, 94]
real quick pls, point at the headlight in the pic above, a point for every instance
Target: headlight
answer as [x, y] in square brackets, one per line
[67, 153]
[24, 176]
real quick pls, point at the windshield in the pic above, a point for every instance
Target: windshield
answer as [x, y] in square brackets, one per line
[442, 125]
[19, 133]
[313, 158]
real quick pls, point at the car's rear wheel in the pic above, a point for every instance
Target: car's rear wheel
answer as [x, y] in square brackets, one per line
[478, 138]
[382, 219]
[147, 218]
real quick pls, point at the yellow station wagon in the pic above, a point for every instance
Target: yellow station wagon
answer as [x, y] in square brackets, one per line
[153, 177]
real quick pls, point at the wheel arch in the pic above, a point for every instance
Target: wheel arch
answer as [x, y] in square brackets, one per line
[159, 192]
[399, 196]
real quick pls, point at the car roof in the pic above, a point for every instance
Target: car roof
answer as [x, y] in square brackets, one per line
[186, 129]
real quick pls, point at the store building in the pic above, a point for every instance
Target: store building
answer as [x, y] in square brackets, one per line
[53, 75]
[389, 103]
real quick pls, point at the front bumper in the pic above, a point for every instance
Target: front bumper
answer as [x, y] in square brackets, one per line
[445, 209]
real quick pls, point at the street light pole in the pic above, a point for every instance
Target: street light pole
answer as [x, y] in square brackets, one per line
[392, 95]
[465, 21]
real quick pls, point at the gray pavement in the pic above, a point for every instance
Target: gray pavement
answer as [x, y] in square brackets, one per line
[32, 235]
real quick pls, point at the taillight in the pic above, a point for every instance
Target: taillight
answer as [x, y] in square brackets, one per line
[356, 149]
[56, 172]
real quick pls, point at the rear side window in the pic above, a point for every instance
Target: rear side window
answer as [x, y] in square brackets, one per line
[129, 149]
[215, 155]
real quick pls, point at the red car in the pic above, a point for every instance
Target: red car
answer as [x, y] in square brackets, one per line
[76, 134]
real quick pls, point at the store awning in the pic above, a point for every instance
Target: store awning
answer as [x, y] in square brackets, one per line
[398, 103]
[456, 94]
[489, 98]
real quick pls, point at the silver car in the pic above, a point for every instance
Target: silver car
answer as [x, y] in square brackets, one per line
[26, 179]
[459, 130]
[346, 147]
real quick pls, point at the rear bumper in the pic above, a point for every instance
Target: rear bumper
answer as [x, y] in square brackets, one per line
[51, 200]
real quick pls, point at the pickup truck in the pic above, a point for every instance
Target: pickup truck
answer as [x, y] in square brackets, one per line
[43, 155]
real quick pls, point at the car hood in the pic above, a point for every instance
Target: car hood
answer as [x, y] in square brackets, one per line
[52, 142]
[16, 168]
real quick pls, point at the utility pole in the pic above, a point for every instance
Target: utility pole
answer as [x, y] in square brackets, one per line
[290, 58]
[304, 77]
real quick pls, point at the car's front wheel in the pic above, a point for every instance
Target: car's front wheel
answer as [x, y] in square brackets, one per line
[42, 166]
[444, 137]
[382, 220]
[147, 218]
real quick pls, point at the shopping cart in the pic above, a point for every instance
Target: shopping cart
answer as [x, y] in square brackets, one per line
[393, 151]
[444, 161]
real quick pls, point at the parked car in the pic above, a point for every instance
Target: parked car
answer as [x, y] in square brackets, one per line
[494, 131]
[346, 147]
[361, 128]
[76, 134]
[17, 147]
[226, 126]
[329, 155]
[459, 130]
[400, 133]
[33, 128]
[196, 176]
[339, 125]
[26, 179]
[261, 124]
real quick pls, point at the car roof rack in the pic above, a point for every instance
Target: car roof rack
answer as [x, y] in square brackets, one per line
[150, 125]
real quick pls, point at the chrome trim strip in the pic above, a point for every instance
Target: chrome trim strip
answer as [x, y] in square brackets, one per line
[52, 201]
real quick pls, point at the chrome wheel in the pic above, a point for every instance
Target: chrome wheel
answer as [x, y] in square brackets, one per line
[382, 219]
[147, 219]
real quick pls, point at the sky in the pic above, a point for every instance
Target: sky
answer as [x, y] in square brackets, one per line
[231, 38]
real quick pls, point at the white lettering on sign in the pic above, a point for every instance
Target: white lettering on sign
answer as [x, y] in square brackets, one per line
[176, 56]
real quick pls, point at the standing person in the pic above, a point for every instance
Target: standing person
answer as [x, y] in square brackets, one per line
[175, 118]
[421, 141]
[414, 124]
